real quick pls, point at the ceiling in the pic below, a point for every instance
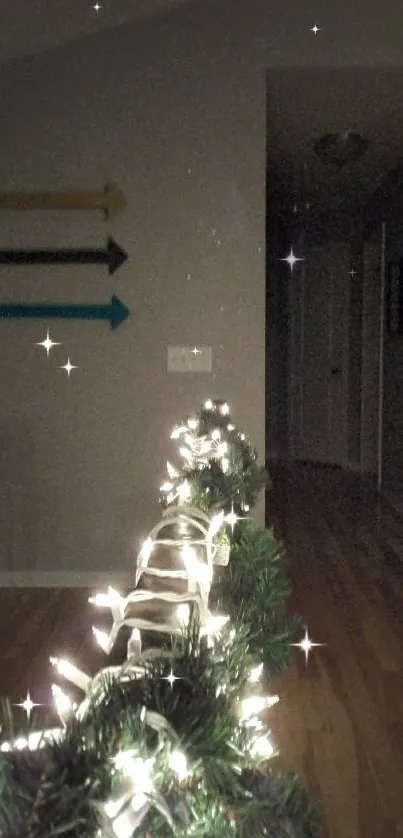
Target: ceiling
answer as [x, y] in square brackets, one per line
[31, 27]
[303, 104]
[301, 110]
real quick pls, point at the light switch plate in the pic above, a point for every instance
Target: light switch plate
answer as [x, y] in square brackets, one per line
[189, 359]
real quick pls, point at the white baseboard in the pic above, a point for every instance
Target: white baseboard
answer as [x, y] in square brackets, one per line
[65, 579]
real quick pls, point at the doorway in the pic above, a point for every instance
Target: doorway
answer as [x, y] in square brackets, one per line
[318, 356]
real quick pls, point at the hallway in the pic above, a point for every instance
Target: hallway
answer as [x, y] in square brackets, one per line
[339, 722]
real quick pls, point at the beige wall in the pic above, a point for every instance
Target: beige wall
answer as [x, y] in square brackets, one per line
[174, 111]
[179, 125]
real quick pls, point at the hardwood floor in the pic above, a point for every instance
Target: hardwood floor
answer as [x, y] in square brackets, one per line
[339, 722]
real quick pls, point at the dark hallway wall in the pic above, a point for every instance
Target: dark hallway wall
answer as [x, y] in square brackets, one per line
[277, 246]
[393, 378]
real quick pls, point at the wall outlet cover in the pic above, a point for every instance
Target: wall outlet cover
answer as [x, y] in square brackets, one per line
[189, 359]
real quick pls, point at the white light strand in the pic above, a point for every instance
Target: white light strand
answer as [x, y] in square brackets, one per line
[63, 704]
[72, 673]
[197, 452]
[136, 793]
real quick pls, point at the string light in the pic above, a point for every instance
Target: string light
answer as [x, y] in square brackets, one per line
[254, 705]
[256, 673]
[262, 747]
[64, 706]
[134, 792]
[102, 638]
[178, 764]
[69, 671]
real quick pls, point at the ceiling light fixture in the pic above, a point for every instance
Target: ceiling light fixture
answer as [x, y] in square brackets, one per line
[342, 148]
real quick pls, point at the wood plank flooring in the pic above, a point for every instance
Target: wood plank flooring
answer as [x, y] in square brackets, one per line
[339, 722]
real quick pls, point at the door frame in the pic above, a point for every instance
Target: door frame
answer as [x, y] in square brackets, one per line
[296, 329]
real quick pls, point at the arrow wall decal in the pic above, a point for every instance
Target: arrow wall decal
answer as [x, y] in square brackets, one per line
[111, 201]
[112, 255]
[116, 312]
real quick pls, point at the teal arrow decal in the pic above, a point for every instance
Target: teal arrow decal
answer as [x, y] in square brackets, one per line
[116, 312]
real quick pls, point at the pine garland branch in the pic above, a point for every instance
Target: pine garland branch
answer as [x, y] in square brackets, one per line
[61, 789]
[254, 589]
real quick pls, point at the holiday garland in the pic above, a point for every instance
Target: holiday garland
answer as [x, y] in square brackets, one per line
[175, 742]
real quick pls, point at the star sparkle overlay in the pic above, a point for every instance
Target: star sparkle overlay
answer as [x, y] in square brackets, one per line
[68, 367]
[171, 678]
[48, 343]
[306, 645]
[315, 29]
[231, 518]
[292, 259]
[28, 705]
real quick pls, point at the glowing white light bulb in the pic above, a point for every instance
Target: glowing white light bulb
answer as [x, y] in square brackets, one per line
[63, 704]
[76, 676]
[214, 624]
[173, 473]
[262, 747]
[134, 643]
[216, 524]
[107, 600]
[184, 491]
[102, 638]
[176, 433]
[178, 764]
[208, 405]
[256, 704]
[20, 743]
[125, 761]
[255, 673]
[224, 409]
[183, 613]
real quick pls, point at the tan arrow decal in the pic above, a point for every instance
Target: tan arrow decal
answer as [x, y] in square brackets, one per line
[111, 201]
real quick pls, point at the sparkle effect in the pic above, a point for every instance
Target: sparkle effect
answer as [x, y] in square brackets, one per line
[48, 343]
[171, 678]
[315, 29]
[97, 7]
[28, 705]
[291, 259]
[353, 273]
[231, 518]
[68, 367]
[306, 645]
[196, 351]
